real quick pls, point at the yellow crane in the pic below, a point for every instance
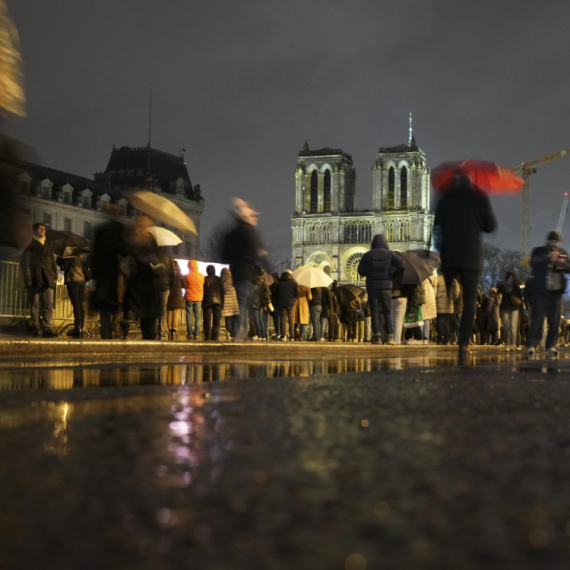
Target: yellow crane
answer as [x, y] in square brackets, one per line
[527, 169]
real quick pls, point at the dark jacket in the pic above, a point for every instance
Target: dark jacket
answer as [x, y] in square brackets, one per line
[286, 291]
[462, 215]
[507, 292]
[317, 300]
[379, 264]
[38, 265]
[213, 288]
[176, 296]
[261, 297]
[540, 263]
[327, 303]
[163, 272]
[242, 250]
[75, 269]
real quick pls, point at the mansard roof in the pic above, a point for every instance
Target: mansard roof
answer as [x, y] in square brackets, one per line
[131, 167]
[61, 178]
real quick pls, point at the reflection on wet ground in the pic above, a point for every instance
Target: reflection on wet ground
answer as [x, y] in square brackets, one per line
[153, 369]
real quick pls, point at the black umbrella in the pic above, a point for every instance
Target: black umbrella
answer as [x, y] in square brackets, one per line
[66, 244]
[432, 259]
[346, 293]
[416, 269]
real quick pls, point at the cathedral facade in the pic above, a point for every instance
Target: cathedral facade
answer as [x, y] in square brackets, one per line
[329, 233]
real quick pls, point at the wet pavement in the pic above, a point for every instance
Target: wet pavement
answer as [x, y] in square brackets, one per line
[231, 458]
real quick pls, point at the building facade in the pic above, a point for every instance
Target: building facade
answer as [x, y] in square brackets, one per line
[328, 232]
[64, 201]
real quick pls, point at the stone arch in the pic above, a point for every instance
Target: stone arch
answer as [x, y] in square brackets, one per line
[349, 262]
[319, 259]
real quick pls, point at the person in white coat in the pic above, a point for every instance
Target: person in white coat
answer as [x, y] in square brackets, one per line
[429, 308]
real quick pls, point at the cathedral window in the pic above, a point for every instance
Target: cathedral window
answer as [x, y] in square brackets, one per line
[327, 191]
[391, 188]
[327, 233]
[404, 189]
[389, 232]
[312, 234]
[314, 191]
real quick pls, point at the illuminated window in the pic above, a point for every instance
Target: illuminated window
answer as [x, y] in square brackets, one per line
[391, 188]
[404, 189]
[314, 191]
[327, 191]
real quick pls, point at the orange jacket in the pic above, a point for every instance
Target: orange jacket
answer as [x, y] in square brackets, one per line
[194, 283]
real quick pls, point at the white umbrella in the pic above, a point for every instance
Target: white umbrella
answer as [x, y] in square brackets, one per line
[311, 277]
[161, 209]
[164, 237]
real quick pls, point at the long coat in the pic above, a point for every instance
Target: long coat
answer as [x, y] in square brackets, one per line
[444, 302]
[302, 313]
[429, 308]
[176, 295]
[230, 306]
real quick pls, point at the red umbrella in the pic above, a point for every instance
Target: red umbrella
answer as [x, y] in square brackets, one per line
[487, 177]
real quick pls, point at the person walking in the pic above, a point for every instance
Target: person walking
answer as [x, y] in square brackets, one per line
[175, 301]
[76, 273]
[39, 270]
[286, 293]
[378, 266]
[194, 296]
[510, 296]
[244, 252]
[230, 307]
[461, 215]
[549, 264]
[212, 304]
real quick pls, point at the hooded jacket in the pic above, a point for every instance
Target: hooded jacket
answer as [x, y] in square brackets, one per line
[194, 283]
[286, 291]
[379, 264]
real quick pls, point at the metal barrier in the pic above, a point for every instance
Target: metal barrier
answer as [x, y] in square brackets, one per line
[14, 303]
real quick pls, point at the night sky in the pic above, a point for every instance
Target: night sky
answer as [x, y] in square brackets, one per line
[241, 85]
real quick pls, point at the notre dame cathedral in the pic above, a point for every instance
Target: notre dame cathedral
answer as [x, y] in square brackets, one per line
[328, 232]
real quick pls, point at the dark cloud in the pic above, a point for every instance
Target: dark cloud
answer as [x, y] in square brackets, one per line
[241, 85]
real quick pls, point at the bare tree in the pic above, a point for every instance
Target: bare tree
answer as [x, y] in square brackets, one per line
[496, 263]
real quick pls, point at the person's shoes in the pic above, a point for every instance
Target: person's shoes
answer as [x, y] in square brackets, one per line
[391, 341]
[530, 352]
[552, 351]
[283, 339]
[425, 341]
[75, 333]
[49, 333]
[36, 333]
[464, 351]
[375, 341]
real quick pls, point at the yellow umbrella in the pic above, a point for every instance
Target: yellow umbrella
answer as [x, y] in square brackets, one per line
[12, 98]
[161, 209]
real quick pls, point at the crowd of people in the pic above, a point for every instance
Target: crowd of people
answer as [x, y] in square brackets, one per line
[137, 281]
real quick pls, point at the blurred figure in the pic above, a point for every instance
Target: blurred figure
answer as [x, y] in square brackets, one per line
[549, 263]
[461, 215]
[164, 273]
[429, 308]
[230, 307]
[510, 296]
[141, 295]
[76, 273]
[243, 251]
[490, 306]
[108, 248]
[175, 301]
[194, 297]
[40, 277]
[212, 304]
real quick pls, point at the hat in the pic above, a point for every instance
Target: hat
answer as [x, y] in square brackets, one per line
[554, 236]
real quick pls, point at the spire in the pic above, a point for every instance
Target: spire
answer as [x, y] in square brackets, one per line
[410, 135]
[306, 146]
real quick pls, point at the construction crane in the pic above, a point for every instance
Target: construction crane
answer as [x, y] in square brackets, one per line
[563, 211]
[527, 169]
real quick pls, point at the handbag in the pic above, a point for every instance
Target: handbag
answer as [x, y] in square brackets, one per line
[413, 318]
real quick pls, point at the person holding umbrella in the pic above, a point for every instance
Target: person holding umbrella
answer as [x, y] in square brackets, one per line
[462, 215]
[378, 266]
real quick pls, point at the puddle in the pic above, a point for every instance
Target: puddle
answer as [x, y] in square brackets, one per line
[62, 373]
